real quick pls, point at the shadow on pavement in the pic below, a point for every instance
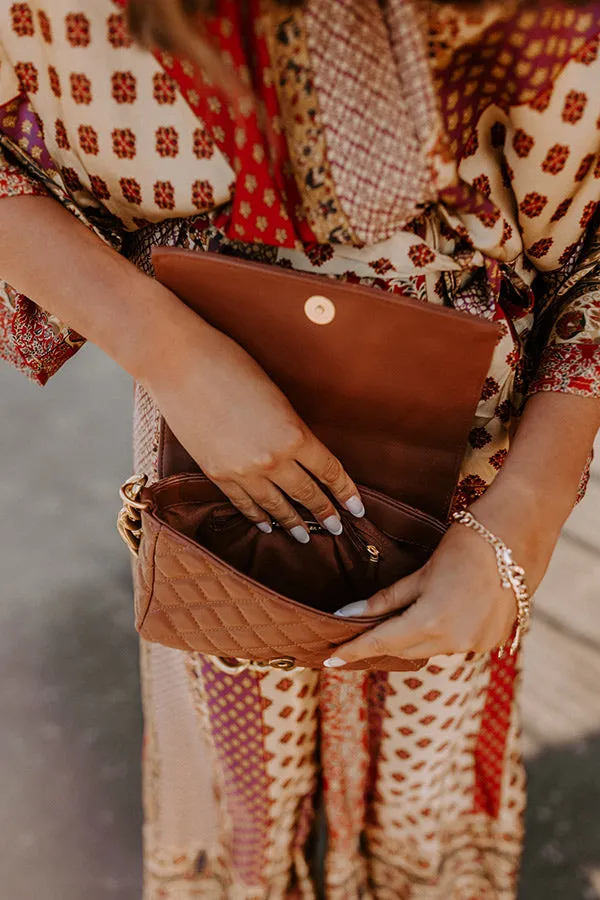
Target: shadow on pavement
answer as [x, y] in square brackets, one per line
[562, 849]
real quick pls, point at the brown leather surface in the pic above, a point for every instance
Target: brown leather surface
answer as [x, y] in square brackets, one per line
[390, 385]
[191, 595]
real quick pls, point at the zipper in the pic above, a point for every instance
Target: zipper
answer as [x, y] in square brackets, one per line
[374, 554]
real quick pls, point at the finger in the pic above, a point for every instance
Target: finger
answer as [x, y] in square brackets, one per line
[246, 505]
[268, 497]
[315, 457]
[297, 484]
[390, 638]
[391, 599]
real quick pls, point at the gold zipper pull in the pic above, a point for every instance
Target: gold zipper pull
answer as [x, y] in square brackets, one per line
[374, 554]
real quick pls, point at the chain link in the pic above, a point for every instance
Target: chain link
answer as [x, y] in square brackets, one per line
[129, 520]
[511, 576]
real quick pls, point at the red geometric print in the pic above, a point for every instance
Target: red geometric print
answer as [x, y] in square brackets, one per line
[54, 81]
[493, 734]
[202, 194]
[479, 437]
[71, 179]
[27, 74]
[540, 248]
[203, 145]
[124, 87]
[61, 135]
[556, 158]
[567, 253]
[318, 254]
[471, 146]
[260, 159]
[88, 139]
[489, 217]
[490, 387]
[522, 143]
[482, 183]
[381, 265]
[99, 188]
[81, 88]
[421, 255]
[589, 53]
[562, 209]
[167, 141]
[469, 489]
[506, 232]
[584, 166]
[588, 213]
[123, 143]
[235, 710]
[131, 190]
[45, 26]
[164, 194]
[532, 204]
[78, 29]
[22, 19]
[497, 459]
[165, 88]
[574, 107]
[118, 36]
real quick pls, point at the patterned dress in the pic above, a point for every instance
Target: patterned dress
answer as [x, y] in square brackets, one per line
[452, 155]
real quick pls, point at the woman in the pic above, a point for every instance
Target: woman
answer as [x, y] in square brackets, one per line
[449, 153]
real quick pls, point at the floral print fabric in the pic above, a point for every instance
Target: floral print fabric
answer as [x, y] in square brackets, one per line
[503, 225]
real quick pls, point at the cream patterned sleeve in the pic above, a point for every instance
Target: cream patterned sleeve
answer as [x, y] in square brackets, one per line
[32, 340]
[569, 328]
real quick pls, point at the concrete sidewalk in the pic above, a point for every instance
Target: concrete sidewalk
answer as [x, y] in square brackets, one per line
[69, 748]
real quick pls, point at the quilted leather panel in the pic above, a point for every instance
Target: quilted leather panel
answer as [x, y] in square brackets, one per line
[195, 602]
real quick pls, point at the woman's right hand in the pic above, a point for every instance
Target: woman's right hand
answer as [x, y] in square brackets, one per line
[245, 436]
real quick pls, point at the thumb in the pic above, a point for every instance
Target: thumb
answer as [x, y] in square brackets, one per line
[390, 599]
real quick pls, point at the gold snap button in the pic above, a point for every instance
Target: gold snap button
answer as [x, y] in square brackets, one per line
[319, 309]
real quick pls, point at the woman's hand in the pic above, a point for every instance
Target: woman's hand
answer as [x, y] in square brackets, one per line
[245, 436]
[455, 603]
[222, 407]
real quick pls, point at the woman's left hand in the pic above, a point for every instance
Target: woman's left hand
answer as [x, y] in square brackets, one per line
[454, 604]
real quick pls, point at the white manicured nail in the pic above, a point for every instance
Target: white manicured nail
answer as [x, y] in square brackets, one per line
[333, 525]
[355, 506]
[334, 661]
[358, 608]
[265, 527]
[300, 533]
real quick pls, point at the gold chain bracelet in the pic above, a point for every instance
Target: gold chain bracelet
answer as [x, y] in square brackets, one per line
[511, 575]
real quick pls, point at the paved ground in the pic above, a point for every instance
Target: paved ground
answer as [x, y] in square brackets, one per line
[69, 745]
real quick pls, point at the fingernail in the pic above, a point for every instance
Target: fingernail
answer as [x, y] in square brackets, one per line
[358, 608]
[355, 506]
[300, 533]
[264, 526]
[334, 661]
[333, 525]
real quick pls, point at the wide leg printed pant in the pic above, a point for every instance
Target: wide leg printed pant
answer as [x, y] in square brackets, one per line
[406, 785]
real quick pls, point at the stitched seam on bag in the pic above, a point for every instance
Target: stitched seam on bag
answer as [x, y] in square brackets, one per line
[279, 627]
[183, 605]
[150, 584]
[186, 548]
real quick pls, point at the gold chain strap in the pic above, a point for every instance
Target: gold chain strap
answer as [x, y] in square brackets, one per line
[129, 520]
[511, 576]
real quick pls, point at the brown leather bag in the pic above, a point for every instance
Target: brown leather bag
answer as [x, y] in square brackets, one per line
[389, 384]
